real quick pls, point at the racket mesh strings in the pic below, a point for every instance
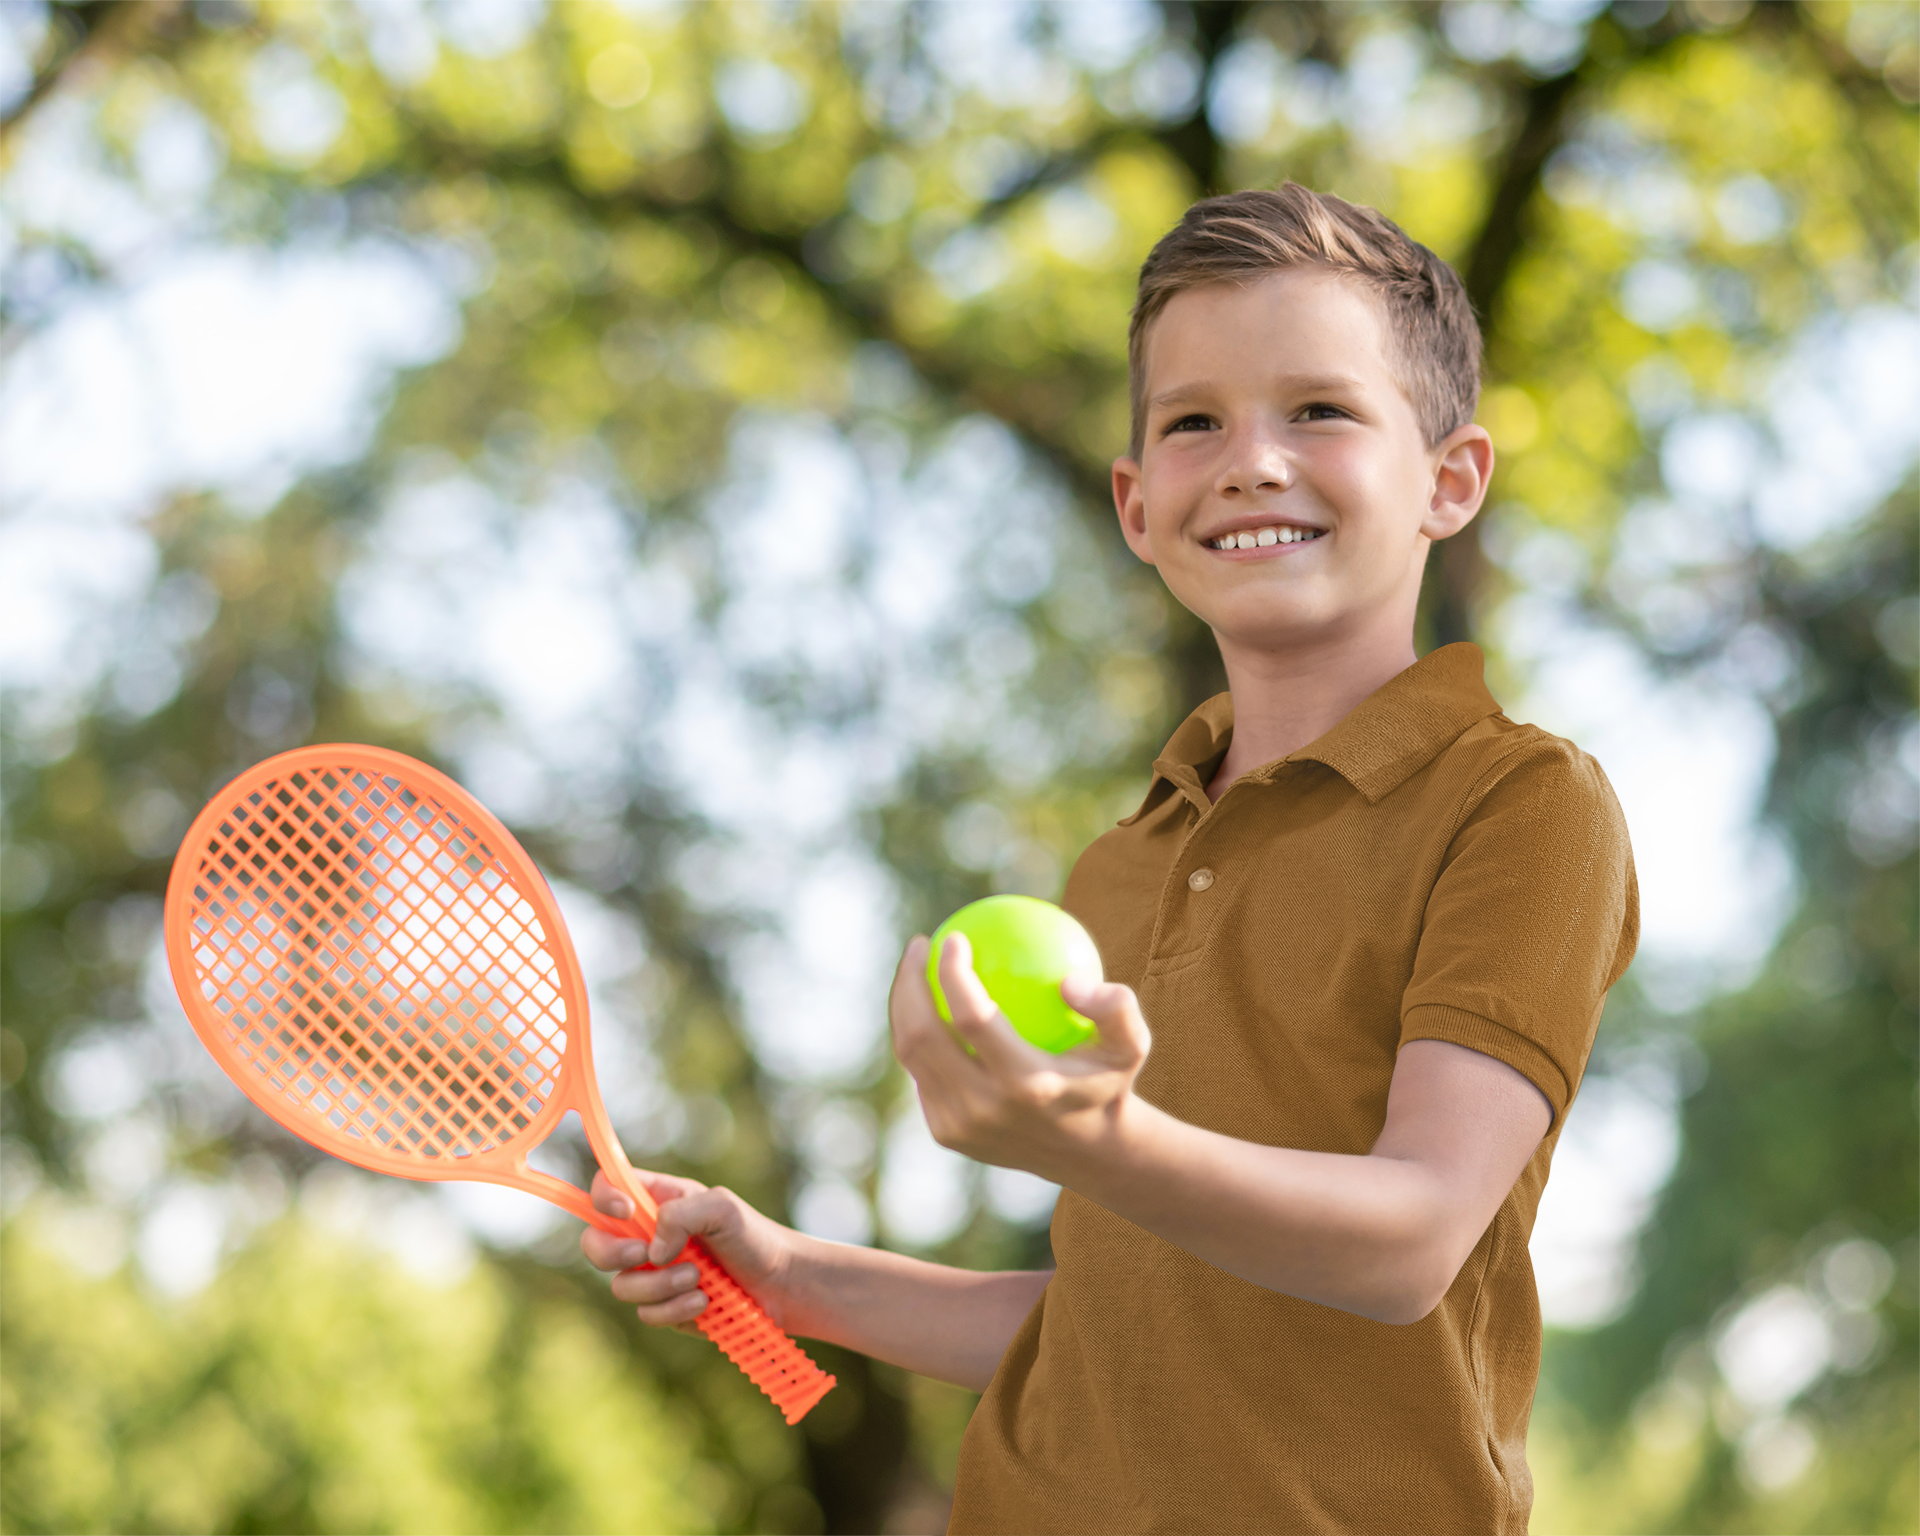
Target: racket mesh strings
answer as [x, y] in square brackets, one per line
[368, 955]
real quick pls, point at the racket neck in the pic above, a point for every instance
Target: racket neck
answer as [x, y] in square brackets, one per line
[574, 1201]
[608, 1152]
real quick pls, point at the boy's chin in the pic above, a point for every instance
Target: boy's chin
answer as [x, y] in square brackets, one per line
[1279, 629]
[1317, 611]
[1257, 617]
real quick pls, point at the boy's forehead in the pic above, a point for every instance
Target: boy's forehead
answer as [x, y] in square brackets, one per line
[1299, 320]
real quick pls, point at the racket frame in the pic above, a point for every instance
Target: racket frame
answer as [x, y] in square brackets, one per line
[732, 1318]
[576, 1088]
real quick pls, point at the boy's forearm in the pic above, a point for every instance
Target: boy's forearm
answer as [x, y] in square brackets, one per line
[1365, 1234]
[950, 1324]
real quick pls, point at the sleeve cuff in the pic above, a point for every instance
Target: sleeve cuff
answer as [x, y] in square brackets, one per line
[1437, 1021]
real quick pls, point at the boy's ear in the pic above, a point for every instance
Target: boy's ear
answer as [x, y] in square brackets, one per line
[1129, 500]
[1462, 468]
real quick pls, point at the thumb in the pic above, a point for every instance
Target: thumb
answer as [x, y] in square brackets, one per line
[709, 1213]
[1115, 1013]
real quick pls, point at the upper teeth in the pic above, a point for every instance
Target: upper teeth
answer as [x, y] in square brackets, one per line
[1266, 536]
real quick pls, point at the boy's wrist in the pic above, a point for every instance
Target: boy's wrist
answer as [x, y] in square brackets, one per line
[807, 1285]
[1119, 1153]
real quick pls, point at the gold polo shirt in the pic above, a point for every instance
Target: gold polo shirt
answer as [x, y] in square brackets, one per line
[1427, 870]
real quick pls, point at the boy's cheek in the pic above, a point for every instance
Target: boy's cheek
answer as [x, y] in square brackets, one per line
[1191, 595]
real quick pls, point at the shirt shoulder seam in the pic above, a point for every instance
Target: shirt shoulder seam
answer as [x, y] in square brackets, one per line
[1484, 780]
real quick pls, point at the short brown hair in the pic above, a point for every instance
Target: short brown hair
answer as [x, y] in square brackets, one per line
[1243, 236]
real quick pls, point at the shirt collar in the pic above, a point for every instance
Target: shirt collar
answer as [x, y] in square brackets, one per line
[1381, 742]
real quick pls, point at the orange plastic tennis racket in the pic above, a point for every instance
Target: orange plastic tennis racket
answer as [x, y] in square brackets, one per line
[378, 964]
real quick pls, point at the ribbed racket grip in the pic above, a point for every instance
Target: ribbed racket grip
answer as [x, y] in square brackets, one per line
[752, 1340]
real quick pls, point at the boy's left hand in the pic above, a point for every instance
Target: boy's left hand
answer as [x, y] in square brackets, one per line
[1012, 1103]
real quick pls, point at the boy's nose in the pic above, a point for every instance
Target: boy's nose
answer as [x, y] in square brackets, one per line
[1260, 472]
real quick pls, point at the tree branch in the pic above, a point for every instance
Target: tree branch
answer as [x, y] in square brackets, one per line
[86, 33]
[1457, 568]
[861, 308]
[1503, 231]
[1210, 26]
[1865, 91]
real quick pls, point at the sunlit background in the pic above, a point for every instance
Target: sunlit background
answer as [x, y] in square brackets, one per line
[687, 424]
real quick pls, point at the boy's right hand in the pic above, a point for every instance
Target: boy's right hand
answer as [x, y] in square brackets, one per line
[756, 1250]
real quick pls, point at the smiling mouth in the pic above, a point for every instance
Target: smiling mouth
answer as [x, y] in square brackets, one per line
[1264, 538]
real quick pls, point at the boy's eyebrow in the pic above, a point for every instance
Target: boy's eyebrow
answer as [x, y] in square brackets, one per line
[1300, 383]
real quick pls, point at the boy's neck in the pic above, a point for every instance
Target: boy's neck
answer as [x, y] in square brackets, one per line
[1284, 699]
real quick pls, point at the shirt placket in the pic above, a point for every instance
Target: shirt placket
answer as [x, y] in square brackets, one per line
[1199, 881]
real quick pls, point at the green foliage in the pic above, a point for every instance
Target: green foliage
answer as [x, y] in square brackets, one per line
[313, 1387]
[1800, 1140]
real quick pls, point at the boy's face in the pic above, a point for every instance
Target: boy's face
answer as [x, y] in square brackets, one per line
[1272, 411]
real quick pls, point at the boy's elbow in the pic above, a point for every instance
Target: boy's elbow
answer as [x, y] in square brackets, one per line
[1412, 1295]
[1408, 1308]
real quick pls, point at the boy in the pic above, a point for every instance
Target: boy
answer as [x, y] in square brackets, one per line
[1372, 923]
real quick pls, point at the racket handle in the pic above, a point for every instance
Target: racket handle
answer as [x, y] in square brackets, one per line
[754, 1342]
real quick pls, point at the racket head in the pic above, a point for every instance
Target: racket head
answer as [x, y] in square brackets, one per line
[379, 966]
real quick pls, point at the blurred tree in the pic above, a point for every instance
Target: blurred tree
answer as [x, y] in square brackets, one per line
[311, 1388]
[1796, 1193]
[676, 234]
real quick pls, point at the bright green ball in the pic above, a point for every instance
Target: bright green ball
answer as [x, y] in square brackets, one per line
[1023, 949]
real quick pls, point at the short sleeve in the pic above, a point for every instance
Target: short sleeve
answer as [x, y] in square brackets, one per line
[1535, 914]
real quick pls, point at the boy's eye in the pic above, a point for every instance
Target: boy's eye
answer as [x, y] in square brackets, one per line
[1321, 411]
[1194, 423]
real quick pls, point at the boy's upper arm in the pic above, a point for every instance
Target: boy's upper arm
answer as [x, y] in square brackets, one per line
[1534, 916]
[1470, 1124]
[1470, 1120]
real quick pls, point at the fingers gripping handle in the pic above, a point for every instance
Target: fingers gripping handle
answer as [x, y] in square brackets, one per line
[754, 1342]
[732, 1319]
[646, 1215]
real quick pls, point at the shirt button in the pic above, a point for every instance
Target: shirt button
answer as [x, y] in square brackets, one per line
[1200, 879]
